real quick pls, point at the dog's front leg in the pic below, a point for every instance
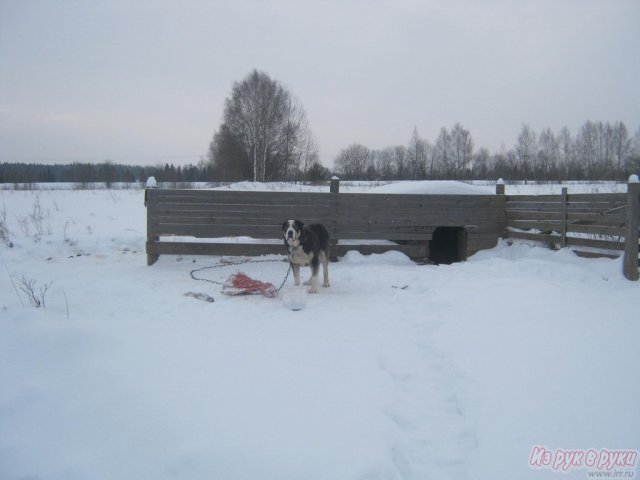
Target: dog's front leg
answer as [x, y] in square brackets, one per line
[313, 281]
[325, 269]
[296, 274]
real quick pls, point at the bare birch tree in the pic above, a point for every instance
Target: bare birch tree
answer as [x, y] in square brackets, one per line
[526, 149]
[270, 126]
[417, 152]
[462, 149]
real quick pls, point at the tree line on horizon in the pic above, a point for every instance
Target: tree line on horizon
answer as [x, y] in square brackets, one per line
[600, 151]
[105, 172]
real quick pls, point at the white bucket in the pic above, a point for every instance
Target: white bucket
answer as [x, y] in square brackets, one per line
[295, 298]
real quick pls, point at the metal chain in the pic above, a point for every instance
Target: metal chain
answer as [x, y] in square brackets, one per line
[285, 278]
[231, 264]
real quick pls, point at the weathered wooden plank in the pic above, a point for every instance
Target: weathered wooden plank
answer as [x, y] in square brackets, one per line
[481, 241]
[571, 197]
[275, 232]
[206, 195]
[381, 229]
[591, 254]
[255, 249]
[372, 225]
[597, 197]
[288, 211]
[216, 231]
[533, 198]
[596, 229]
[536, 224]
[534, 206]
[603, 207]
[353, 200]
[596, 218]
[416, 206]
[366, 198]
[589, 242]
[192, 248]
[443, 217]
[538, 237]
[532, 215]
[218, 206]
[304, 211]
[368, 220]
[212, 219]
[373, 235]
[592, 209]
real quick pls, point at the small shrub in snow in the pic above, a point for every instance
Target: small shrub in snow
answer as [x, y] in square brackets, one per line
[115, 197]
[36, 295]
[67, 238]
[23, 223]
[37, 217]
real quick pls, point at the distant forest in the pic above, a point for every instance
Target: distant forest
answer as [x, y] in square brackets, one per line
[600, 151]
[105, 172]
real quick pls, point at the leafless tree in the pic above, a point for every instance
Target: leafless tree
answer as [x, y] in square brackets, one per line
[264, 129]
[526, 149]
[417, 155]
[548, 155]
[593, 148]
[633, 164]
[443, 152]
[622, 147]
[386, 163]
[462, 149]
[482, 163]
[353, 162]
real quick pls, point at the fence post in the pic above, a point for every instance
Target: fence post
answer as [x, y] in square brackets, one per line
[335, 185]
[563, 220]
[151, 258]
[150, 183]
[500, 191]
[633, 228]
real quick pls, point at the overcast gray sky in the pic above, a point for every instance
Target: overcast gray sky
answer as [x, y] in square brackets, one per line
[145, 81]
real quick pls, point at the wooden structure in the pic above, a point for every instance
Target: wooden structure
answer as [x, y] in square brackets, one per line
[592, 225]
[443, 228]
[632, 231]
[576, 220]
[185, 221]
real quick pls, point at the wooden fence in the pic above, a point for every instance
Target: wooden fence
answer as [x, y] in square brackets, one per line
[593, 225]
[602, 224]
[368, 223]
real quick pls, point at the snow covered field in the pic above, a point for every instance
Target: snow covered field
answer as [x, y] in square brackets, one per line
[397, 371]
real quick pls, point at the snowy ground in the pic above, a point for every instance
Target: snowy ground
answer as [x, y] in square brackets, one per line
[397, 371]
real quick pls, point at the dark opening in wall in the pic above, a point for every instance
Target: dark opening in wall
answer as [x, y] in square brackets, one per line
[448, 245]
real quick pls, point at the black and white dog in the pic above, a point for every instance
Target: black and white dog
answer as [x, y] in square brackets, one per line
[307, 245]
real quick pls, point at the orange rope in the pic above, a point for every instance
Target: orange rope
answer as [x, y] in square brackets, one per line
[240, 283]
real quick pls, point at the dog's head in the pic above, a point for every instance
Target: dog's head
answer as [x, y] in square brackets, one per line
[292, 232]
